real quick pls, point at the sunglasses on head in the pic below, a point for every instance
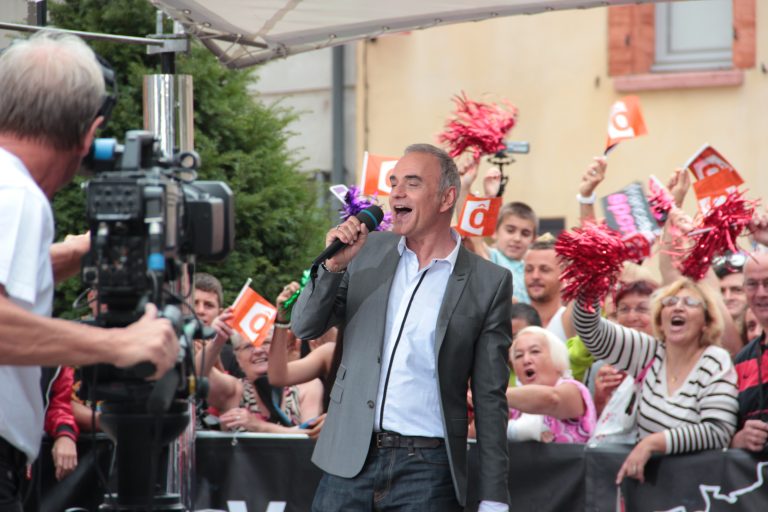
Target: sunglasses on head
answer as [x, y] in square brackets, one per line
[733, 261]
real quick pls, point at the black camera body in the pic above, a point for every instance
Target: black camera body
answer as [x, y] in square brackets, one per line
[147, 219]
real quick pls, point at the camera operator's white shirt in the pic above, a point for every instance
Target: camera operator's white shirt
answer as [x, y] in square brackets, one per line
[26, 234]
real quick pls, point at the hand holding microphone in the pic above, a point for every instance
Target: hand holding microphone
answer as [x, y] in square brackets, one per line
[345, 240]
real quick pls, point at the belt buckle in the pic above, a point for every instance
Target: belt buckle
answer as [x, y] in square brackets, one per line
[385, 440]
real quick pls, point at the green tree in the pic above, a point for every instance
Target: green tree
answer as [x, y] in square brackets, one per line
[241, 141]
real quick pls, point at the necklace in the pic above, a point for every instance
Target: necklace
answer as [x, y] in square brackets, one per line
[674, 375]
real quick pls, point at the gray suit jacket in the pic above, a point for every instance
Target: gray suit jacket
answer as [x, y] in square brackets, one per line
[472, 340]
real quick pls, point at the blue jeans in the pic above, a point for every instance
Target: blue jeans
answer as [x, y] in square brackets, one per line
[402, 479]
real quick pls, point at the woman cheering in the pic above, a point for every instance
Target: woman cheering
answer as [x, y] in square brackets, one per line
[562, 405]
[687, 401]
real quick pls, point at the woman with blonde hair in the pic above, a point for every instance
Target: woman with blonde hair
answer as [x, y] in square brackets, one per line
[687, 401]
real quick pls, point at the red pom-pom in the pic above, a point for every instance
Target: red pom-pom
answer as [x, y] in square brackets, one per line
[716, 233]
[479, 127]
[594, 256]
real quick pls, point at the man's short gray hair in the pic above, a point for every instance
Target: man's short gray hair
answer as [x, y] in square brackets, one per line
[51, 88]
[449, 173]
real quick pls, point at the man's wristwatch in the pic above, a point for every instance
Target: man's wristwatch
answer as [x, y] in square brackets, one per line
[332, 271]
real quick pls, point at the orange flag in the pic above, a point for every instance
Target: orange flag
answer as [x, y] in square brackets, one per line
[478, 216]
[625, 121]
[708, 161]
[376, 171]
[715, 177]
[253, 316]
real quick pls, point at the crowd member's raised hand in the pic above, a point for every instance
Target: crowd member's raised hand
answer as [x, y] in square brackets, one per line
[592, 177]
[492, 182]
[759, 228]
[680, 221]
[283, 338]
[678, 185]
[468, 173]
[221, 325]
[285, 294]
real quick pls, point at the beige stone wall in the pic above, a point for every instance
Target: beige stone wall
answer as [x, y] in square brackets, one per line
[553, 67]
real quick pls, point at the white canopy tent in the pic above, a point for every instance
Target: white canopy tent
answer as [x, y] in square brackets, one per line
[242, 33]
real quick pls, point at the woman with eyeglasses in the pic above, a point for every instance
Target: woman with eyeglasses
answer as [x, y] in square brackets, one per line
[687, 400]
[250, 404]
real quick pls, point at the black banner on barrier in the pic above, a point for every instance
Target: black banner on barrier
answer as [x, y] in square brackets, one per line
[709, 483]
[256, 474]
[540, 478]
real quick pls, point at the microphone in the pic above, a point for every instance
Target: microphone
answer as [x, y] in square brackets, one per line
[370, 216]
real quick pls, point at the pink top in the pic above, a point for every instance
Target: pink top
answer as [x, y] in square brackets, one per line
[576, 430]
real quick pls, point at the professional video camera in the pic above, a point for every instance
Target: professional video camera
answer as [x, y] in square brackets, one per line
[149, 222]
[148, 219]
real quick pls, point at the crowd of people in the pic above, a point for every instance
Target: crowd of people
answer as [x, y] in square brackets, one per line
[400, 349]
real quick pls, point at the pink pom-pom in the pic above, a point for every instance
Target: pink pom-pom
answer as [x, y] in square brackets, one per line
[594, 256]
[478, 127]
[716, 233]
[660, 200]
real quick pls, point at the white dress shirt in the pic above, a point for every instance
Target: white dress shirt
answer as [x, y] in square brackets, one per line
[412, 401]
[408, 387]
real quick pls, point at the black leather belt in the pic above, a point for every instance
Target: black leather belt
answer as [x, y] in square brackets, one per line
[12, 455]
[394, 440]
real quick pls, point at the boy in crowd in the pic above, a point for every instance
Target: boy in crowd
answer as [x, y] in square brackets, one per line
[516, 229]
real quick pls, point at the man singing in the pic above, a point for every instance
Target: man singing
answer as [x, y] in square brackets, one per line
[421, 317]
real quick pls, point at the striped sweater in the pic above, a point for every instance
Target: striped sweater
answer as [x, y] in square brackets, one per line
[701, 414]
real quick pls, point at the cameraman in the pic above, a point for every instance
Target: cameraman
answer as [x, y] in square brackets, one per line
[51, 91]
